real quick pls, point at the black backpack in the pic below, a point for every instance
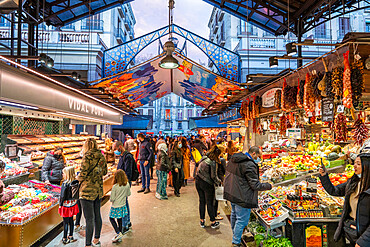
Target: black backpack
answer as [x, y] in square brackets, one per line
[134, 170]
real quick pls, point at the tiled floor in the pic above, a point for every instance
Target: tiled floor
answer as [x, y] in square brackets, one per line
[174, 222]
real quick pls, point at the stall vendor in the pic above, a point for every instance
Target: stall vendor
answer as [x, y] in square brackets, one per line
[52, 167]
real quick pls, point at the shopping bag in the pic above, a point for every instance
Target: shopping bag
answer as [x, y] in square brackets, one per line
[219, 191]
[196, 155]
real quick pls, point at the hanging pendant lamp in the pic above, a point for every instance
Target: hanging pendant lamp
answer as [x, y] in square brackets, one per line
[169, 62]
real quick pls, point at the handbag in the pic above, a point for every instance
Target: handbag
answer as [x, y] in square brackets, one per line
[350, 231]
[76, 189]
[219, 193]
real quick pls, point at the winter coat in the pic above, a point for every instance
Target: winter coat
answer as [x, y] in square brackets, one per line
[202, 148]
[157, 144]
[66, 191]
[176, 158]
[207, 171]
[91, 178]
[145, 150]
[52, 169]
[163, 162]
[241, 184]
[221, 169]
[125, 163]
[130, 145]
[362, 212]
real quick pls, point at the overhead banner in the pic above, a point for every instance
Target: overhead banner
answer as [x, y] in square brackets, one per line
[25, 88]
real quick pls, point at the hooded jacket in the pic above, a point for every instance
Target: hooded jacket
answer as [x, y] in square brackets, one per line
[145, 150]
[362, 212]
[202, 148]
[52, 168]
[163, 162]
[207, 171]
[241, 184]
[93, 168]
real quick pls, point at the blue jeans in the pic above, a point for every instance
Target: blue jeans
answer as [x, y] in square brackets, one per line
[162, 183]
[145, 176]
[127, 219]
[239, 220]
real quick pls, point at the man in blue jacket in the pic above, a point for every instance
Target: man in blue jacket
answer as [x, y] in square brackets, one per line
[145, 154]
[241, 186]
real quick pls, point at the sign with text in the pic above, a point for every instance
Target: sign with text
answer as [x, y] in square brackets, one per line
[268, 98]
[233, 114]
[327, 109]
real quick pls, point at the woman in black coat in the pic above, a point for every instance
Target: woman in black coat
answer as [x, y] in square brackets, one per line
[354, 224]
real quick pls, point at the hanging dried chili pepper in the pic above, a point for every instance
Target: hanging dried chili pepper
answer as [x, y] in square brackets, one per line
[361, 132]
[347, 88]
[340, 128]
[337, 81]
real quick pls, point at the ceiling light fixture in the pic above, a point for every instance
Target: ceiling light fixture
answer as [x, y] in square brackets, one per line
[291, 49]
[273, 62]
[249, 79]
[169, 62]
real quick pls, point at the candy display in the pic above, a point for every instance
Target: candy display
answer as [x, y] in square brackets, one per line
[11, 168]
[30, 199]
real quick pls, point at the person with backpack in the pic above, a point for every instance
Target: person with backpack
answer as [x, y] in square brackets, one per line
[120, 192]
[67, 203]
[126, 163]
[163, 167]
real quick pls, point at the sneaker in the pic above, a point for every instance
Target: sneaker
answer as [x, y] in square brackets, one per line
[147, 191]
[129, 225]
[65, 241]
[80, 228]
[125, 230]
[215, 225]
[98, 244]
[157, 195]
[140, 191]
[164, 198]
[236, 245]
[118, 237]
[71, 240]
[177, 194]
[219, 217]
[202, 224]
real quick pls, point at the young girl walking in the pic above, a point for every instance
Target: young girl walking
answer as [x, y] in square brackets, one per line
[67, 204]
[120, 191]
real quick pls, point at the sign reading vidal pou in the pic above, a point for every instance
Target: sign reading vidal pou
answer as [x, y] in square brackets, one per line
[26, 88]
[268, 98]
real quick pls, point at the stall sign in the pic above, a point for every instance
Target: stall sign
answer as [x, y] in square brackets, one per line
[313, 236]
[233, 114]
[327, 109]
[268, 98]
[294, 133]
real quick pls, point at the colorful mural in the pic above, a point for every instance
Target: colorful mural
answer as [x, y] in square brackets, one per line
[148, 82]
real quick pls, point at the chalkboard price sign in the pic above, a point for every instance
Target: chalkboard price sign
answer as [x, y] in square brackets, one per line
[327, 109]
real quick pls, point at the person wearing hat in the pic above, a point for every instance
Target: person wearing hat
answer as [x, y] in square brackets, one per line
[53, 165]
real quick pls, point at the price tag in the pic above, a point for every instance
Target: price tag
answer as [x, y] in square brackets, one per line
[340, 108]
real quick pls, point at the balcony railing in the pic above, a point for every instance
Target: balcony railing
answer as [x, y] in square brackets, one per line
[72, 37]
[120, 34]
[94, 25]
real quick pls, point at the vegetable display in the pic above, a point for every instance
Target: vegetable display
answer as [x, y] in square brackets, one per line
[337, 81]
[347, 89]
[361, 132]
[340, 128]
[357, 80]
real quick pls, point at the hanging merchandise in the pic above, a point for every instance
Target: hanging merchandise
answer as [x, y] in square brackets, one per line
[361, 132]
[316, 79]
[289, 97]
[328, 85]
[300, 94]
[340, 128]
[308, 99]
[357, 80]
[277, 102]
[337, 81]
[347, 89]
[250, 110]
[283, 125]
[322, 84]
[254, 125]
[282, 96]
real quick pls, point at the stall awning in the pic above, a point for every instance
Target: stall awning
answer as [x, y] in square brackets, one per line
[133, 122]
[205, 123]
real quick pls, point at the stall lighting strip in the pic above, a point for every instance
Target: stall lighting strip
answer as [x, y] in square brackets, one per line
[88, 118]
[18, 105]
[59, 83]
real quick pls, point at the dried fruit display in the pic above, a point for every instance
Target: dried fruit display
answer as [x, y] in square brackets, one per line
[277, 102]
[357, 80]
[283, 125]
[290, 97]
[337, 81]
[340, 128]
[300, 94]
[308, 97]
[361, 132]
[347, 88]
